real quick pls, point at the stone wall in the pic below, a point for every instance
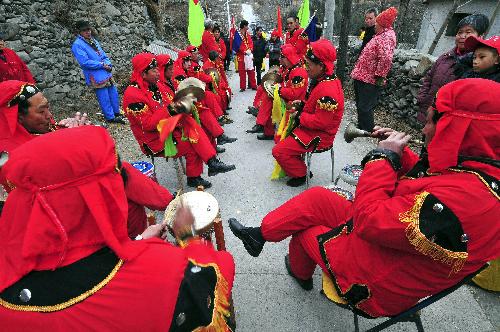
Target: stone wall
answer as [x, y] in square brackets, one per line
[41, 33]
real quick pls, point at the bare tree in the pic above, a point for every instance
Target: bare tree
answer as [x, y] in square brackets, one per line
[345, 28]
[443, 26]
[401, 25]
[329, 19]
[493, 17]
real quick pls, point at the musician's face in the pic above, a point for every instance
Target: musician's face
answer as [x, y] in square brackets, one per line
[217, 34]
[314, 70]
[290, 24]
[169, 71]
[37, 121]
[285, 62]
[430, 126]
[151, 76]
[186, 64]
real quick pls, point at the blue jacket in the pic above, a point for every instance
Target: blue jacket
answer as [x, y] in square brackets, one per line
[91, 61]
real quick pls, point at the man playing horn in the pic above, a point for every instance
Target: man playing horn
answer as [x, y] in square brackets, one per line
[412, 230]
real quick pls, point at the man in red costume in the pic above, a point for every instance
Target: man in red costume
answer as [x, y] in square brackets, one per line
[25, 114]
[68, 264]
[12, 67]
[296, 36]
[208, 42]
[321, 115]
[293, 88]
[243, 46]
[412, 229]
[146, 103]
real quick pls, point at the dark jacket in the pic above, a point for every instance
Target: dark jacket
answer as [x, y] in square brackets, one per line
[259, 49]
[369, 33]
[494, 76]
[274, 49]
[441, 73]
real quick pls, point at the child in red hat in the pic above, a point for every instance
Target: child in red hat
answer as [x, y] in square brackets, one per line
[486, 59]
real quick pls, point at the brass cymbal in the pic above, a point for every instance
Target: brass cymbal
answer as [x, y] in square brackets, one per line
[214, 73]
[271, 76]
[193, 91]
[269, 88]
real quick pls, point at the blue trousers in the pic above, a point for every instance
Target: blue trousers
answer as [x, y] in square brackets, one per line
[109, 101]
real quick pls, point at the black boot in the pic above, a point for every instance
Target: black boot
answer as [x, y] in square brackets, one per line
[223, 139]
[215, 166]
[263, 137]
[252, 110]
[256, 129]
[305, 284]
[250, 236]
[295, 182]
[198, 181]
[218, 149]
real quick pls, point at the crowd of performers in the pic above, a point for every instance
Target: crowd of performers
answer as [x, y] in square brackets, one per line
[78, 254]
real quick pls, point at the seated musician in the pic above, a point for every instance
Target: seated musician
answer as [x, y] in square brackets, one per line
[293, 88]
[412, 230]
[25, 114]
[68, 264]
[320, 117]
[146, 102]
[221, 88]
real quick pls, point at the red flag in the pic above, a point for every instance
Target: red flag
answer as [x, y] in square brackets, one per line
[231, 33]
[280, 28]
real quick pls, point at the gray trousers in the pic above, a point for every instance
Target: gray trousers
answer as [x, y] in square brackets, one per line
[366, 96]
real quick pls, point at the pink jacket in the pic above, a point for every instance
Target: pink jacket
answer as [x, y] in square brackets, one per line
[376, 57]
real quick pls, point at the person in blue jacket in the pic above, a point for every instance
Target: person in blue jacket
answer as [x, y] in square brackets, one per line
[97, 69]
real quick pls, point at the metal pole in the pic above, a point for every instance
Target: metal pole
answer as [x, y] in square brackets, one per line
[228, 16]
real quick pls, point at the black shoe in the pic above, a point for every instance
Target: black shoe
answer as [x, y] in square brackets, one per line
[198, 181]
[229, 108]
[215, 166]
[242, 90]
[304, 284]
[252, 110]
[252, 245]
[296, 182]
[256, 129]
[223, 139]
[118, 120]
[218, 149]
[221, 122]
[263, 137]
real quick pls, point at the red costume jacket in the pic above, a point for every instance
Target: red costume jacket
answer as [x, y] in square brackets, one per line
[298, 40]
[295, 82]
[246, 45]
[429, 225]
[13, 67]
[321, 115]
[208, 44]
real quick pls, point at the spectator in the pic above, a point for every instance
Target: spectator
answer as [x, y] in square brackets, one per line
[485, 61]
[227, 56]
[274, 49]
[372, 67]
[368, 31]
[443, 70]
[259, 52]
[97, 69]
[12, 66]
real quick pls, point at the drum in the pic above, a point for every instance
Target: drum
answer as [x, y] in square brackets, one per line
[145, 168]
[341, 192]
[203, 206]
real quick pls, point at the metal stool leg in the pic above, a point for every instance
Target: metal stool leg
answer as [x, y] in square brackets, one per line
[308, 167]
[332, 155]
[356, 322]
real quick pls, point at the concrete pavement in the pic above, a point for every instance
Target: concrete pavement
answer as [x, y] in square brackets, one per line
[265, 297]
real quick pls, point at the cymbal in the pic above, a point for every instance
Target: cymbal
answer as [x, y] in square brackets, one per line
[191, 81]
[193, 91]
[214, 73]
[269, 88]
[274, 69]
[271, 76]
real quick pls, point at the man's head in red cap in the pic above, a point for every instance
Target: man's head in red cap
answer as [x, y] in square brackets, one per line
[165, 66]
[24, 110]
[385, 19]
[486, 57]
[183, 59]
[145, 69]
[289, 56]
[320, 58]
[274, 35]
[465, 122]
[194, 53]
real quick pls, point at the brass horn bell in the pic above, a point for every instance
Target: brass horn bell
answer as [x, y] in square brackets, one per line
[352, 132]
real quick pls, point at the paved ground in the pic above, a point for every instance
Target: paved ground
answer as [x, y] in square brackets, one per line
[266, 298]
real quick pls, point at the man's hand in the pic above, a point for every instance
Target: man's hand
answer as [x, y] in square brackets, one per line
[379, 81]
[77, 121]
[183, 225]
[152, 231]
[395, 142]
[381, 133]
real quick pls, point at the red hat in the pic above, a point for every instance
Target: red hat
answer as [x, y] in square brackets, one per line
[163, 60]
[386, 18]
[275, 33]
[65, 207]
[191, 49]
[140, 63]
[469, 125]
[473, 42]
[323, 51]
[290, 52]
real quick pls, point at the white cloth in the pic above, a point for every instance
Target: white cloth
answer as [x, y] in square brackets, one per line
[248, 61]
